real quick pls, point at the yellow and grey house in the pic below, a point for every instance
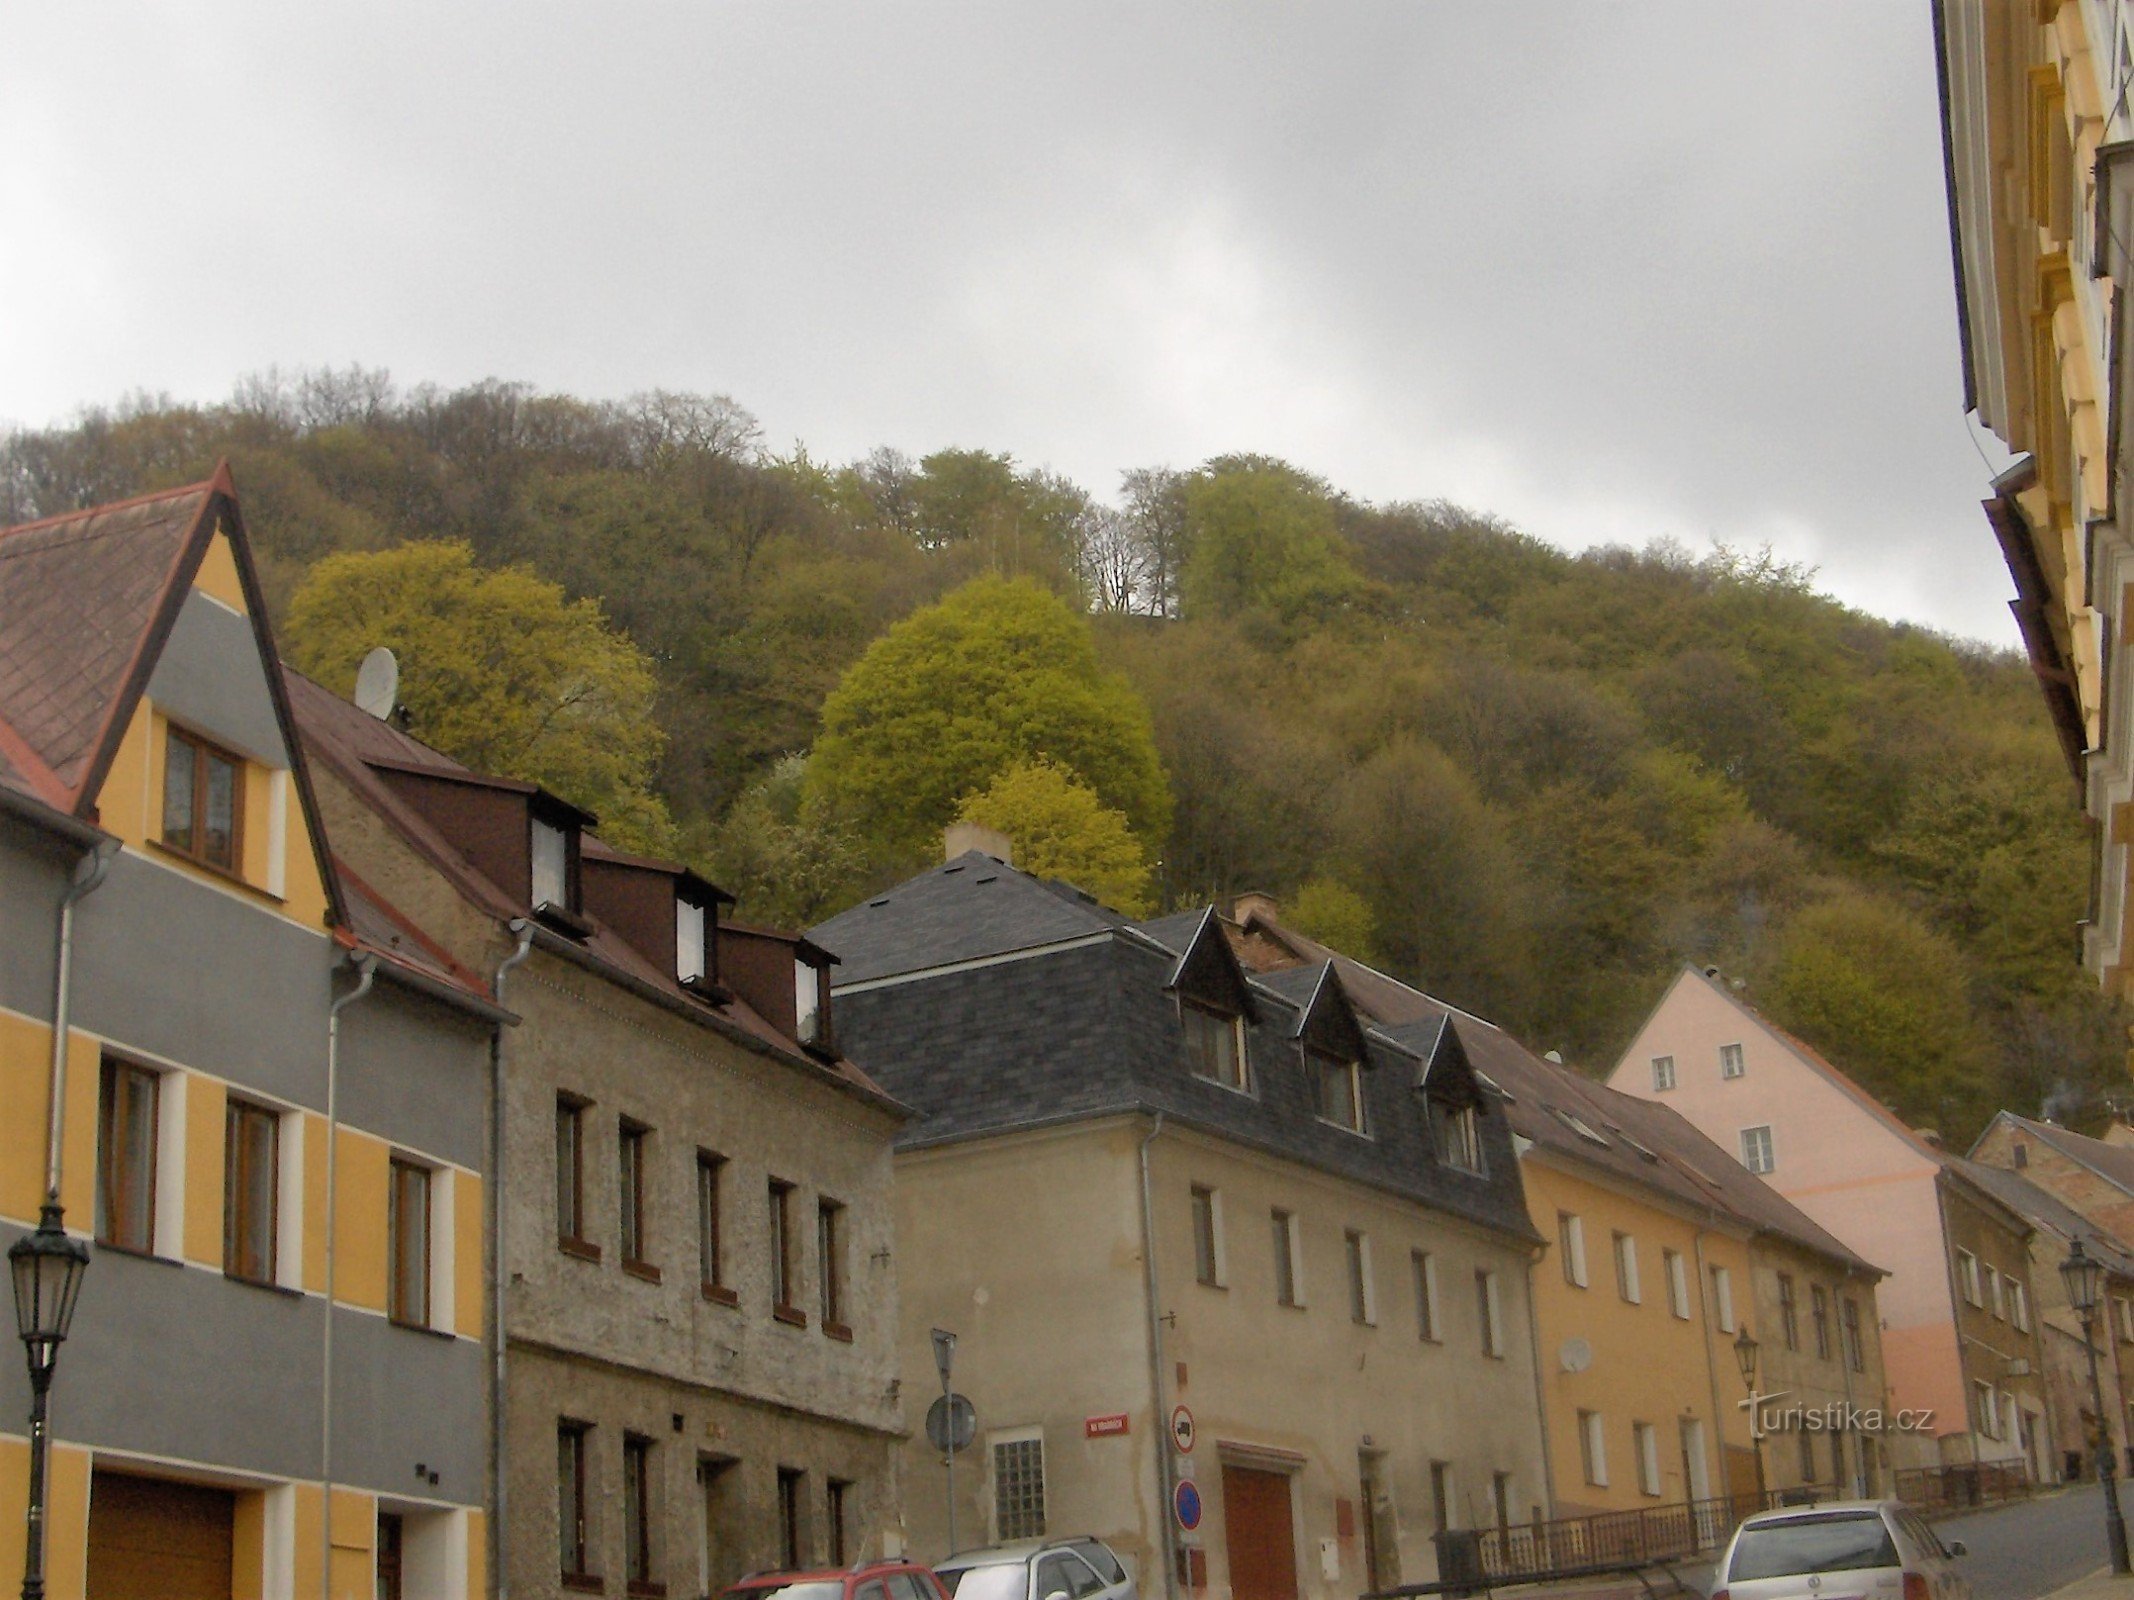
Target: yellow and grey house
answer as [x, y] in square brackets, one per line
[268, 1098]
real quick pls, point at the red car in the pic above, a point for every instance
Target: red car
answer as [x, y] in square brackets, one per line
[870, 1580]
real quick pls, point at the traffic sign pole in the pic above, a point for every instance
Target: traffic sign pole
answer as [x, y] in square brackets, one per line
[945, 1359]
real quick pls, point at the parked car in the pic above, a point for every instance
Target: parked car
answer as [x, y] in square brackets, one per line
[869, 1580]
[1037, 1569]
[1844, 1551]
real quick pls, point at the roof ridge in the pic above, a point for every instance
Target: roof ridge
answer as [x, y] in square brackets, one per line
[207, 485]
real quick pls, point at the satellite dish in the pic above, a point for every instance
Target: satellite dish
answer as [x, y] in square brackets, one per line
[1576, 1355]
[378, 684]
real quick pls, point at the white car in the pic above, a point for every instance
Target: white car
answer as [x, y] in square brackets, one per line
[1038, 1569]
[1848, 1550]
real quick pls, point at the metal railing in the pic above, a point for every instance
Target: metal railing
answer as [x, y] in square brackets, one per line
[1525, 1551]
[1959, 1488]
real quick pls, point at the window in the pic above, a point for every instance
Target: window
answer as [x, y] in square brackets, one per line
[1500, 1488]
[1986, 1410]
[1647, 1440]
[1855, 1352]
[1459, 1137]
[1677, 1283]
[1425, 1265]
[1363, 1303]
[835, 1501]
[1723, 1298]
[637, 1510]
[1807, 1440]
[2018, 1305]
[1215, 1044]
[1593, 1448]
[784, 1281]
[551, 865]
[1996, 1299]
[1441, 1501]
[1207, 1236]
[1339, 1087]
[1967, 1277]
[126, 1128]
[1288, 1262]
[571, 1501]
[811, 1016]
[1789, 1317]
[1571, 1238]
[1019, 1487]
[1492, 1309]
[830, 1265]
[570, 1175]
[1730, 1062]
[408, 1227]
[251, 1188]
[1626, 1269]
[203, 801]
[630, 1170]
[1756, 1149]
[1820, 1300]
[792, 1486]
[689, 941]
[711, 1261]
[1663, 1073]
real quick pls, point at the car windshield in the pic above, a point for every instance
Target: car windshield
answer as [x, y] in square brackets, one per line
[808, 1589]
[998, 1581]
[1812, 1544]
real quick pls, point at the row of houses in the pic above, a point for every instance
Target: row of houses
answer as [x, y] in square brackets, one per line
[398, 1107]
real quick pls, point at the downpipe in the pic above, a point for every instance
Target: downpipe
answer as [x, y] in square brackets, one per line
[88, 877]
[1158, 1428]
[365, 966]
[493, 1189]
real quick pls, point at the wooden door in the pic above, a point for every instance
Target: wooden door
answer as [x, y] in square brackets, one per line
[153, 1540]
[1258, 1535]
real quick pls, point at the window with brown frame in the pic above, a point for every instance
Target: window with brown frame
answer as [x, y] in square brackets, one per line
[784, 1280]
[251, 1190]
[830, 1266]
[570, 1177]
[126, 1156]
[637, 1515]
[631, 1167]
[834, 1506]
[573, 1544]
[408, 1228]
[203, 801]
[792, 1484]
[711, 1251]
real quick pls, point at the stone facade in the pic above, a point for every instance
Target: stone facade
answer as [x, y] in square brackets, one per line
[1821, 1347]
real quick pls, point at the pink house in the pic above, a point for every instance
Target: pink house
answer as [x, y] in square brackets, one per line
[1958, 1335]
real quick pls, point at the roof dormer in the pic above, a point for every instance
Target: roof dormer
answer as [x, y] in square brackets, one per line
[661, 909]
[785, 979]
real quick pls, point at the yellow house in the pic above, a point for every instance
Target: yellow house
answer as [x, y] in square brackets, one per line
[266, 1113]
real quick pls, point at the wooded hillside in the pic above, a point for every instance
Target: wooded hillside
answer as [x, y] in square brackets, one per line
[1532, 782]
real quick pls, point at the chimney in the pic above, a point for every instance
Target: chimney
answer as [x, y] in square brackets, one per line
[960, 837]
[1253, 903]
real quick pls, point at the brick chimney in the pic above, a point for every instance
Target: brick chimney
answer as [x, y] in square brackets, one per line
[959, 837]
[1253, 903]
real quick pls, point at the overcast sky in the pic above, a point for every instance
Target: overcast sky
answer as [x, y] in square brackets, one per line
[1612, 271]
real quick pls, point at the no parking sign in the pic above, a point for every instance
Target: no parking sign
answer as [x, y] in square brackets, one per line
[1185, 1500]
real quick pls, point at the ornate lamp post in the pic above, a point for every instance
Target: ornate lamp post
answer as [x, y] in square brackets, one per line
[47, 1267]
[1745, 1350]
[2083, 1275]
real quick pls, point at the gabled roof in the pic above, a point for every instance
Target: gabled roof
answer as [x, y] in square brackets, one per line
[88, 600]
[1209, 970]
[2049, 1212]
[2112, 1162]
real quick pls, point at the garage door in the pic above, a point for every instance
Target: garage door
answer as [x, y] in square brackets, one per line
[1257, 1534]
[152, 1540]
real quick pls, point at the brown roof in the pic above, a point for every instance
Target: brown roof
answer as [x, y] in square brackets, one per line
[1561, 1110]
[355, 746]
[2112, 1162]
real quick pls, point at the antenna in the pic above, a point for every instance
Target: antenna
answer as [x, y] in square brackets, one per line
[378, 684]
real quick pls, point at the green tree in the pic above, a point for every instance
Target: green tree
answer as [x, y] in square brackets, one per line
[1060, 829]
[784, 863]
[497, 669]
[1262, 537]
[1000, 671]
[1337, 916]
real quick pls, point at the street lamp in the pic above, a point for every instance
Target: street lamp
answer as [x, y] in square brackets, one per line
[47, 1267]
[2083, 1276]
[1745, 1349]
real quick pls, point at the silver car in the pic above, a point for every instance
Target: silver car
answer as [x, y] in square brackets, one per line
[1038, 1569]
[1849, 1550]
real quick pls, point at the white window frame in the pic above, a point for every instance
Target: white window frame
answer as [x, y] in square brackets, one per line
[1626, 1269]
[1996, 1296]
[1491, 1301]
[1967, 1278]
[1593, 1448]
[2018, 1305]
[1429, 1325]
[1733, 1063]
[1677, 1283]
[1240, 1062]
[1571, 1236]
[1723, 1298]
[1218, 1254]
[1363, 1289]
[1663, 1074]
[808, 1002]
[1291, 1245]
[1759, 1140]
[1647, 1441]
[548, 840]
[691, 928]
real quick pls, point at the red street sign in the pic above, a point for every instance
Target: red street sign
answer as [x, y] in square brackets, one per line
[1103, 1427]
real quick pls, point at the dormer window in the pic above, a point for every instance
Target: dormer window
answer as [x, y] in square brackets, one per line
[551, 866]
[690, 944]
[811, 1011]
[1215, 1044]
[1459, 1136]
[1338, 1086]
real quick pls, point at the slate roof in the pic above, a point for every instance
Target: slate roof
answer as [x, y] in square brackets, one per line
[1065, 1034]
[2050, 1212]
[2112, 1162]
[355, 746]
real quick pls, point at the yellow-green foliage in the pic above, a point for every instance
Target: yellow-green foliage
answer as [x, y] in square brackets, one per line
[1060, 829]
[497, 669]
[1336, 915]
[999, 672]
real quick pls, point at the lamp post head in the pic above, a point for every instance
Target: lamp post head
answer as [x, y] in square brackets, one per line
[47, 1268]
[1745, 1348]
[2082, 1274]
